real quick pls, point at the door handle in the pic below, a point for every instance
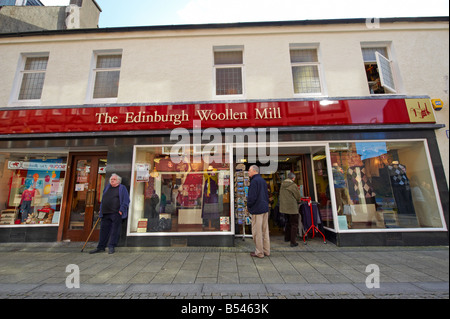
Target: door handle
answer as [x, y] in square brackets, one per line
[90, 196]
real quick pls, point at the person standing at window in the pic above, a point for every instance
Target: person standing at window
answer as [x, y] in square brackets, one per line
[113, 208]
[258, 207]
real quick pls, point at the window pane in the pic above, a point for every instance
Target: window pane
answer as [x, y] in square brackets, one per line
[34, 191]
[180, 197]
[306, 79]
[36, 63]
[109, 61]
[106, 84]
[228, 81]
[304, 55]
[383, 185]
[387, 79]
[369, 53]
[228, 57]
[32, 84]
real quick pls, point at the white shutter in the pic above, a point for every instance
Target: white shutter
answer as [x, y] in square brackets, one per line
[385, 71]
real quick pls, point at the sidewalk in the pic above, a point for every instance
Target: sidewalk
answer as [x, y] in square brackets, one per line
[313, 271]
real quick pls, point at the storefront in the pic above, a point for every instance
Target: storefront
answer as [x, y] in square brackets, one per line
[371, 165]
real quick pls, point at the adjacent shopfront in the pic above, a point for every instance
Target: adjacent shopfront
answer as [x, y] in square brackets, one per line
[372, 166]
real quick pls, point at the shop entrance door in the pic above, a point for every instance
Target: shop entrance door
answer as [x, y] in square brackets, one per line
[309, 165]
[87, 181]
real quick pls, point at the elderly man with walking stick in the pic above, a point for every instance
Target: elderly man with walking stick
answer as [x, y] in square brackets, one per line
[113, 208]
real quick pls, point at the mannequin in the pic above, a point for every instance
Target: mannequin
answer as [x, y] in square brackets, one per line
[340, 188]
[25, 202]
[191, 189]
[402, 194]
[210, 209]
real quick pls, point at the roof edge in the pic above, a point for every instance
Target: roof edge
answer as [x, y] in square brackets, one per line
[223, 26]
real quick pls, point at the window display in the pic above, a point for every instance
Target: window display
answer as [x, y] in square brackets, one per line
[383, 185]
[31, 188]
[190, 196]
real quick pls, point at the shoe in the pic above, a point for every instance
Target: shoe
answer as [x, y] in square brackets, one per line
[294, 245]
[96, 250]
[111, 250]
[255, 255]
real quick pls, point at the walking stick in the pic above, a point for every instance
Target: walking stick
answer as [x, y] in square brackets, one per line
[90, 234]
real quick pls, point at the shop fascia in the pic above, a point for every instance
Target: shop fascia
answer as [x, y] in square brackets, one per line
[179, 118]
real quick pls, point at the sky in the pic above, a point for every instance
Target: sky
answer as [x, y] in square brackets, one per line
[122, 13]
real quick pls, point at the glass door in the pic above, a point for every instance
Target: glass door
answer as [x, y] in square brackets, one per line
[87, 181]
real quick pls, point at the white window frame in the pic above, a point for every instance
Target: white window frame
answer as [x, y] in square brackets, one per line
[18, 79]
[382, 62]
[386, 230]
[228, 66]
[380, 58]
[92, 76]
[317, 64]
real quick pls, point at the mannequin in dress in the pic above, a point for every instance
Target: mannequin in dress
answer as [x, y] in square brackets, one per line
[402, 194]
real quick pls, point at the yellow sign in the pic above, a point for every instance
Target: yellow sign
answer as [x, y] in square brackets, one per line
[420, 110]
[437, 104]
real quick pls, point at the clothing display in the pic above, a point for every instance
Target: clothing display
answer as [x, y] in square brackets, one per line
[191, 190]
[340, 188]
[305, 213]
[25, 203]
[210, 209]
[402, 193]
[359, 185]
[310, 214]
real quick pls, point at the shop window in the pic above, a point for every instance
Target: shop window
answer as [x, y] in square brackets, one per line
[179, 197]
[379, 72]
[228, 69]
[31, 188]
[305, 71]
[323, 189]
[30, 81]
[105, 76]
[384, 185]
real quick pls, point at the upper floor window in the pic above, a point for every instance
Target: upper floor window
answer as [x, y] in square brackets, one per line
[105, 76]
[379, 72]
[29, 82]
[305, 70]
[33, 76]
[228, 66]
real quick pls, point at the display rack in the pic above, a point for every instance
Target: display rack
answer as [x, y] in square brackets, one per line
[313, 227]
[241, 184]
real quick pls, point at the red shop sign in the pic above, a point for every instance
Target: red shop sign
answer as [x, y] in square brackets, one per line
[219, 115]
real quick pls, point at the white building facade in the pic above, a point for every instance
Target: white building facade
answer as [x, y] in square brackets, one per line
[349, 104]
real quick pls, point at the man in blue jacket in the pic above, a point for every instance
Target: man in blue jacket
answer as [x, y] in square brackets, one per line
[113, 208]
[258, 207]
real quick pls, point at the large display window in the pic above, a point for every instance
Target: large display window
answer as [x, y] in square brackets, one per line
[384, 185]
[31, 188]
[191, 195]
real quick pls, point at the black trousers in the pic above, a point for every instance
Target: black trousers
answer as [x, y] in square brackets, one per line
[110, 230]
[291, 231]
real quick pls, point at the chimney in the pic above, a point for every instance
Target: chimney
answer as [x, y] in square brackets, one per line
[82, 14]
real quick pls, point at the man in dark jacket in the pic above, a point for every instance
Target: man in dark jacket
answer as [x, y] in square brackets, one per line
[258, 207]
[113, 208]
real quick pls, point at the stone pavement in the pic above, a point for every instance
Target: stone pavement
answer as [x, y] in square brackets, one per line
[312, 271]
